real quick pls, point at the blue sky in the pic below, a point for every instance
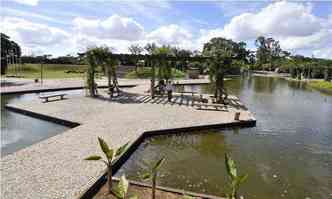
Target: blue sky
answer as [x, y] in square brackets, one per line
[62, 27]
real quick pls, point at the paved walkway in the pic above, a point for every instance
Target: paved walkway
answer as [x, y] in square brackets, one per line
[54, 168]
[18, 84]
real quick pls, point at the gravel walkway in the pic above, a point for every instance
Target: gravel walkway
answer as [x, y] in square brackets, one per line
[54, 168]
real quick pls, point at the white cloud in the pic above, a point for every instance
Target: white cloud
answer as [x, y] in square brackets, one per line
[278, 19]
[114, 27]
[170, 35]
[9, 12]
[35, 37]
[292, 23]
[323, 53]
[28, 2]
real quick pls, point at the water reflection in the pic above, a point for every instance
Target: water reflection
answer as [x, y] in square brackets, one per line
[19, 131]
[288, 154]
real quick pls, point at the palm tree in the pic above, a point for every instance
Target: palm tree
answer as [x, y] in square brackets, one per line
[92, 66]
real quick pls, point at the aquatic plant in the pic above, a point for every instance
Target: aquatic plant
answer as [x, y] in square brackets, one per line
[152, 174]
[111, 156]
[121, 190]
[235, 180]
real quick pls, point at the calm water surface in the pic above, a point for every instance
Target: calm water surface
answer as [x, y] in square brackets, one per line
[19, 131]
[287, 155]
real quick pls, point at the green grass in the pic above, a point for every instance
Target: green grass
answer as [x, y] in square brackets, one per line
[50, 71]
[145, 73]
[323, 86]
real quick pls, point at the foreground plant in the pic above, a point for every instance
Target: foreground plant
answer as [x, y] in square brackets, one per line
[111, 155]
[236, 180]
[152, 174]
[121, 190]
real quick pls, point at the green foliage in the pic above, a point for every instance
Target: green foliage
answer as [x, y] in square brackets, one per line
[323, 86]
[235, 180]
[152, 174]
[50, 71]
[121, 190]
[111, 155]
[93, 157]
[225, 55]
[135, 49]
[146, 72]
[8, 48]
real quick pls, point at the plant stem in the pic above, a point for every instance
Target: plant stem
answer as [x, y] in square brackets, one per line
[109, 178]
[154, 177]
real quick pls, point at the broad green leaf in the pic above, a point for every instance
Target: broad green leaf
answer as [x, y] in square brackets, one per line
[242, 178]
[110, 155]
[93, 157]
[230, 166]
[116, 193]
[133, 197]
[103, 145]
[123, 186]
[121, 149]
[158, 164]
[146, 176]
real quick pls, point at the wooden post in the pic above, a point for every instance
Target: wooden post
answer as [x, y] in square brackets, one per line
[152, 64]
[237, 116]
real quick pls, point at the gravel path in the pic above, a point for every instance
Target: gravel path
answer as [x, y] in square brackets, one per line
[54, 168]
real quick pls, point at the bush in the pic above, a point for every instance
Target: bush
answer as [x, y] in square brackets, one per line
[146, 73]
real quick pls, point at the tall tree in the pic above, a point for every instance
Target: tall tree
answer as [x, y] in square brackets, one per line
[268, 51]
[150, 48]
[223, 53]
[135, 49]
[10, 51]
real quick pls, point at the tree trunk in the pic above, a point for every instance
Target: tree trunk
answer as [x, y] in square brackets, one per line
[219, 87]
[153, 71]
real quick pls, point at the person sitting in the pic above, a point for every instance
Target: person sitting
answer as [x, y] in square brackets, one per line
[161, 87]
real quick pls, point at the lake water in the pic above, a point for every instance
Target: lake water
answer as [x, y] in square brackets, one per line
[19, 131]
[287, 155]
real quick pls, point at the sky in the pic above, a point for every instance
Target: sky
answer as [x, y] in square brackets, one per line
[61, 27]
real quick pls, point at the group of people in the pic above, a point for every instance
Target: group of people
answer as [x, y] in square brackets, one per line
[168, 87]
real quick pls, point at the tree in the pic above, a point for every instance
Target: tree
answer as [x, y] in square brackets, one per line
[111, 155]
[165, 67]
[135, 50]
[108, 63]
[152, 174]
[268, 51]
[91, 58]
[10, 52]
[150, 48]
[222, 52]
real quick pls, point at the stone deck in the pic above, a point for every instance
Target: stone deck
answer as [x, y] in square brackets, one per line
[54, 168]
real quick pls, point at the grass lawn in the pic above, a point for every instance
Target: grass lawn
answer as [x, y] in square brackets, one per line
[323, 86]
[144, 73]
[50, 71]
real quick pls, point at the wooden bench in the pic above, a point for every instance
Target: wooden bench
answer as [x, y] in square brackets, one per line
[46, 97]
[216, 106]
[189, 92]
